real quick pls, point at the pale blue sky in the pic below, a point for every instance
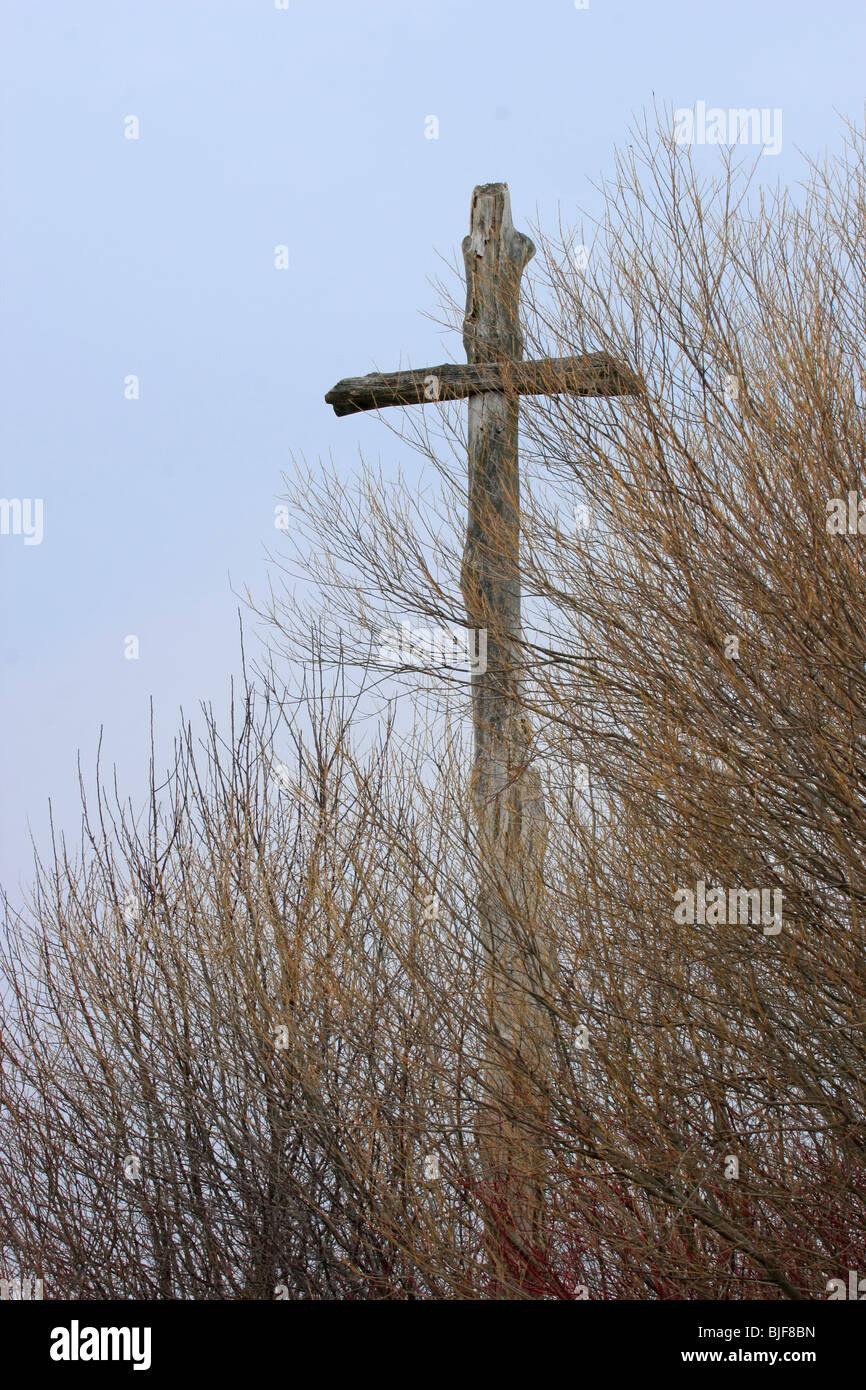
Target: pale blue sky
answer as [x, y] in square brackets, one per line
[259, 127]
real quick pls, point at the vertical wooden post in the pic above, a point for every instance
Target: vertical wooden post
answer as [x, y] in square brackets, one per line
[506, 790]
[508, 808]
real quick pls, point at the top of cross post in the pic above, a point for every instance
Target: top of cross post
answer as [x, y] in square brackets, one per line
[494, 255]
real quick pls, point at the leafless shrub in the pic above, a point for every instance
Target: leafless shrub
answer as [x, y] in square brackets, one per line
[294, 1013]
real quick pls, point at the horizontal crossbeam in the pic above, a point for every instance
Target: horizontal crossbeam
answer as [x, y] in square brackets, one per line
[596, 374]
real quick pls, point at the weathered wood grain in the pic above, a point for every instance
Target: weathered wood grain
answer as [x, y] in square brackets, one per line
[596, 374]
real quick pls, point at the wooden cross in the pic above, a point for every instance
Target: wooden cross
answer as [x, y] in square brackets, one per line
[510, 821]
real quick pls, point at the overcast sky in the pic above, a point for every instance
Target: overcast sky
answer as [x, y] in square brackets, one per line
[154, 257]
